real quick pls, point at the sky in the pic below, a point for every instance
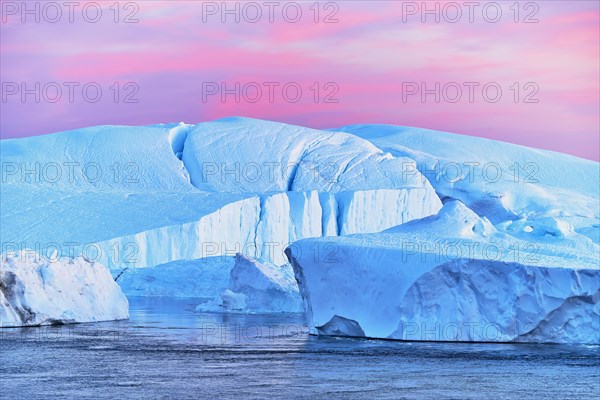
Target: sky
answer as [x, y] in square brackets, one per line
[525, 73]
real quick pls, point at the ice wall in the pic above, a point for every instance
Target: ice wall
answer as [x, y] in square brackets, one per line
[263, 226]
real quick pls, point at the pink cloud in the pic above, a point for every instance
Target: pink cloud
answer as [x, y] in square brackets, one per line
[369, 53]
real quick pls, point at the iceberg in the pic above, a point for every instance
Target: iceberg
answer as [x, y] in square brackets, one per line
[450, 277]
[386, 227]
[255, 287]
[35, 290]
[203, 278]
[230, 284]
[152, 216]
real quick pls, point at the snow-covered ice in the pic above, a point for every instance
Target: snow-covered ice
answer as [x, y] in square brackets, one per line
[123, 158]
[501, 181]
[239, 155]
[35, 290]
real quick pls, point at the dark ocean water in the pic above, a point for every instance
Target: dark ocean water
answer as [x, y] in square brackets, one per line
[166, 350]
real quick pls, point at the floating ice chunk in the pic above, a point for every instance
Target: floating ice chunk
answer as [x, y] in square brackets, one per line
[38, 291]
[255, 287]
[340, 326]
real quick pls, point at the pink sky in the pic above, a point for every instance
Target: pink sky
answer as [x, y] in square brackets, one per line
[373, 51]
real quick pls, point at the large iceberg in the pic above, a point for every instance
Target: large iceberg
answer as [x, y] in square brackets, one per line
[150, 198]
[207, 210]
[142, 191]
[450, 277]
[35, 290]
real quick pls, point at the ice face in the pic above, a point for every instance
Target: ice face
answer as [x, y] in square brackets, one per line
[490, 301]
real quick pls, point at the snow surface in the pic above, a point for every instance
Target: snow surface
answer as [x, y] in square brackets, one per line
[501, 181]
[240, 155]
[450, 277]
[35, 290]
[126, 158]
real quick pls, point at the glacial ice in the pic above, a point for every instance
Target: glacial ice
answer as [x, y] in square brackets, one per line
[35, 290]
[450, 277]
[167, 207]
